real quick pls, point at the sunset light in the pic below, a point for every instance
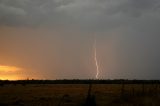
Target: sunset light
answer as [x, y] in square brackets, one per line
[8, 68]
[9, 72]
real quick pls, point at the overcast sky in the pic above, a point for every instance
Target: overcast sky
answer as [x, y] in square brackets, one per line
[53, 39]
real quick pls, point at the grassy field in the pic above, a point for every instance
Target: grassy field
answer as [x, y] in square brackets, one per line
[76, 94]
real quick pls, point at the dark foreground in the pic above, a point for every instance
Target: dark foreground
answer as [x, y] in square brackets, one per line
[76, 94]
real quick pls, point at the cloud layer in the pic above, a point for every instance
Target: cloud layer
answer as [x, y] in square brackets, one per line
[95, 14]
[62, 32]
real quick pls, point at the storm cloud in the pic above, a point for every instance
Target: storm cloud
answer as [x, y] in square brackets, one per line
[62, 32]
[96, 14]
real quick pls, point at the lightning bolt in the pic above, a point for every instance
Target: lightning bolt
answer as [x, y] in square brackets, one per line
[95, 59]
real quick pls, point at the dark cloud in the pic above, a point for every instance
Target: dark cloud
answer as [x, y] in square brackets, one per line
[83, 13]
[127, 33]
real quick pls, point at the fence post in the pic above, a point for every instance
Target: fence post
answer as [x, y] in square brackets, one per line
[122, 89]
[90, 100]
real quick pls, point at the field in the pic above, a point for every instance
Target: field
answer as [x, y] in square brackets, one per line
[76, 94]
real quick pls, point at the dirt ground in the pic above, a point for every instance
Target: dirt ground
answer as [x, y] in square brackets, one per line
[76, 94]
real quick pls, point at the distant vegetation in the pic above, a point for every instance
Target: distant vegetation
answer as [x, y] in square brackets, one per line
[77, 81]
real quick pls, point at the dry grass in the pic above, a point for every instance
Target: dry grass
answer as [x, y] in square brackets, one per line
[75, 95]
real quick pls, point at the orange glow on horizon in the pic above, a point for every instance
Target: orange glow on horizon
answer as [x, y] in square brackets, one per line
[9, 78]
[9, 72]
[8, 68]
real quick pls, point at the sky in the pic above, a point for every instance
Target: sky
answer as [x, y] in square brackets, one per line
[54, 39]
